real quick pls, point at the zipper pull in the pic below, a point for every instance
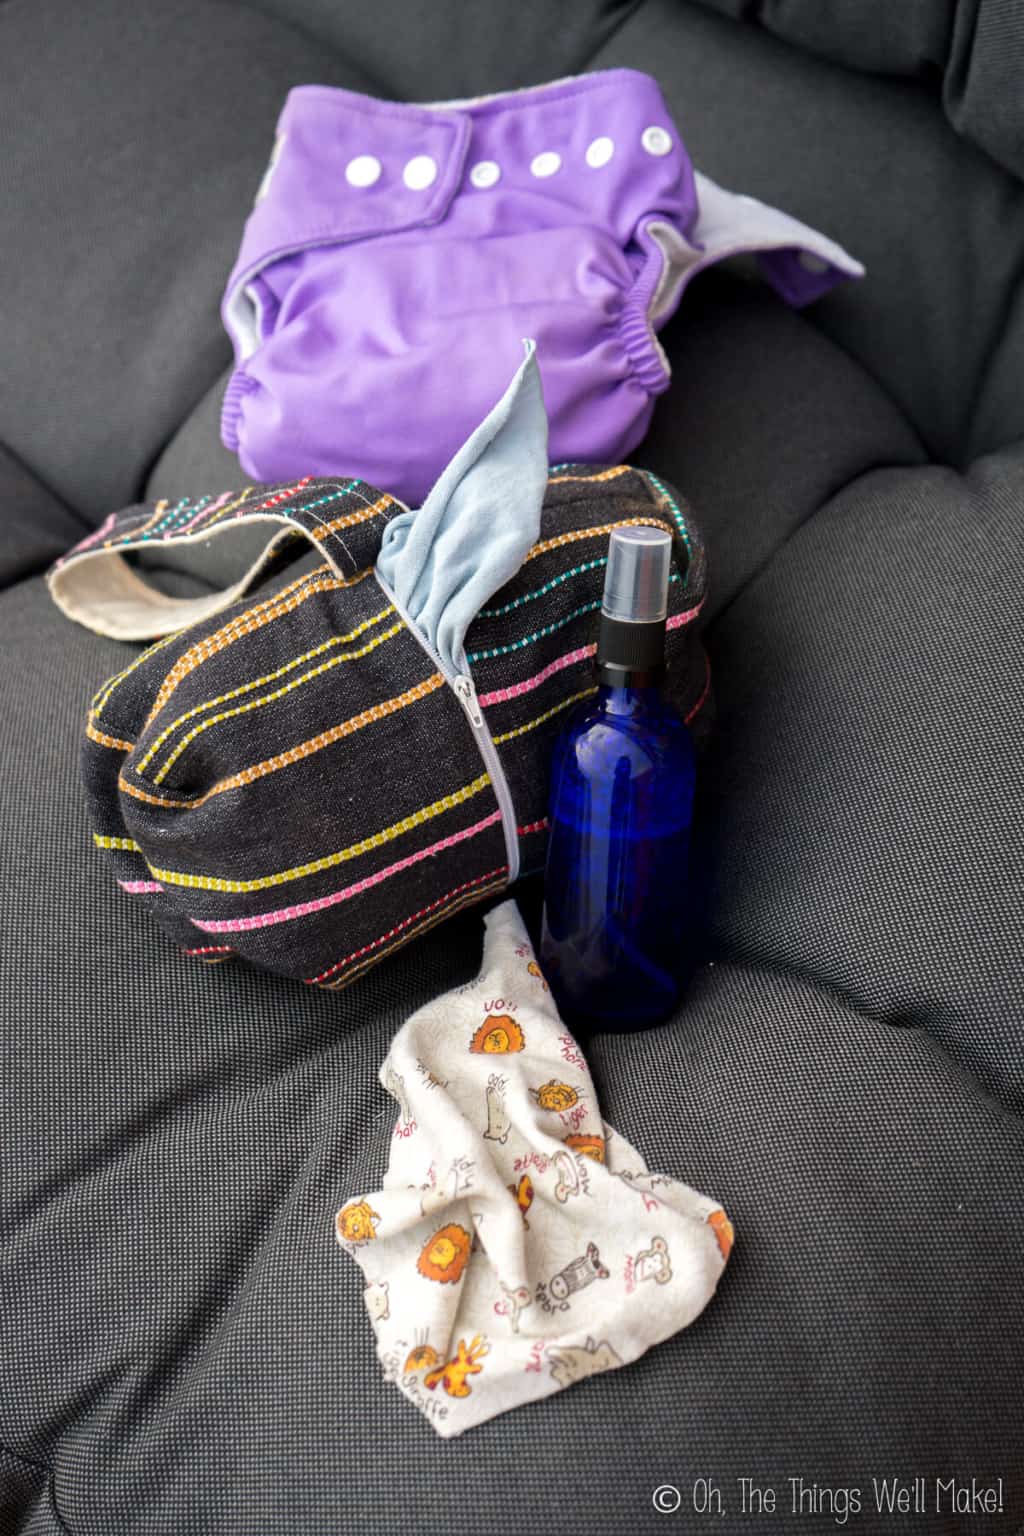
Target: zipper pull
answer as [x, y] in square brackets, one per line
[463, 686]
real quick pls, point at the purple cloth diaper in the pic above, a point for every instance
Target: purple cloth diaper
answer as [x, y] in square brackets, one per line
[398, 254]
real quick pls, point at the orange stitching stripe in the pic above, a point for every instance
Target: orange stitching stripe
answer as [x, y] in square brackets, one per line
[107, 741]
[293, 754]
[253, 683]
[350, 519]
[246, 623]
[575, 534]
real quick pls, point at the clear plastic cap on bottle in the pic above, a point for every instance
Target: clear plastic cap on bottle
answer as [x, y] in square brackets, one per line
[637, 575]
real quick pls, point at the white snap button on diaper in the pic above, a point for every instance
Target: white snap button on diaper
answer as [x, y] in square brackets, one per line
[486, 173]
[656, 141]
[600, 152]
[420, 173]
[363, 171]
[812, 263]
[546, 164]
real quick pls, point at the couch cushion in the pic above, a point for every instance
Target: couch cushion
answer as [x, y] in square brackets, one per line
[970, 50]
[445, 50]
[36, 525]
[192, 1353]
[869, 760]
[130, 202]
[185, 1348]
[764, 420]
[870, 161]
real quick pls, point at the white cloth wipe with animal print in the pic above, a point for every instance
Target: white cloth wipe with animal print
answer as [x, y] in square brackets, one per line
[519, 1244]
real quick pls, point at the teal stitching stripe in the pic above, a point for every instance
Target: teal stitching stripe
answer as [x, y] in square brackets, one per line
[677, 515]
[167, 518]
[185, 507]
[549, 629]
[528, 597]
[178, 514]
[308, 506]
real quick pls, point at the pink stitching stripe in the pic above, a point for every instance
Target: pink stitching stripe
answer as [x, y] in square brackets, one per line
[140, 887]
[679, 619]
[703, 698]
[504, 695]
[93, 538]
[210, 949]
[356, 954]
[319, 903]
[205, 512]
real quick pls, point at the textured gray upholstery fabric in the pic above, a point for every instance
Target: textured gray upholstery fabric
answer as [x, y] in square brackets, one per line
[971, 50]
[36, 526]
[764, 420]
[192, 1354]
[938, 224]
[26, 1502]
[887, 863]
[195, 454]
[182, 1349]
[129, 211]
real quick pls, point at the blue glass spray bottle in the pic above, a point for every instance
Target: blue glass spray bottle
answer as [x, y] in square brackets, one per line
[614, 935]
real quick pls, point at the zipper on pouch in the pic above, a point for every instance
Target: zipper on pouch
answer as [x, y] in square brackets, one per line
[464, 689]
[465, 692]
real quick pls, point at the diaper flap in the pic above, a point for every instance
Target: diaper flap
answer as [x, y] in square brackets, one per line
[799, 262]
[344, 167]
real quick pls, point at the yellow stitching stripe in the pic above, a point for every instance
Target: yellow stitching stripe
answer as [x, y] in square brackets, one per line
[127, 844]
[329, 860]
[293, 754]
[576, 534]
[223, 512]
[248, 622]
[241, 624]
[258, 682]
[531, 725]
[277, 693]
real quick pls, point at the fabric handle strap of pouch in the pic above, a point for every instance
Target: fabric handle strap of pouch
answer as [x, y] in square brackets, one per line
[95, 585]
[442, 560]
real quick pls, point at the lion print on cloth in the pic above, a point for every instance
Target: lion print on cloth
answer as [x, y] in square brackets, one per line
[518, 1242]
[310, 776]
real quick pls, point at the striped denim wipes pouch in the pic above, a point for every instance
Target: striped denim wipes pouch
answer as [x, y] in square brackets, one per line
[314, 774]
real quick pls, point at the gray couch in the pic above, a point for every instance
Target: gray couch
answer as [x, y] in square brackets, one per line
[183, 1348]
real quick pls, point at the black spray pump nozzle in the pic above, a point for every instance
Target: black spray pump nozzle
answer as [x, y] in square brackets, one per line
[631, 645]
